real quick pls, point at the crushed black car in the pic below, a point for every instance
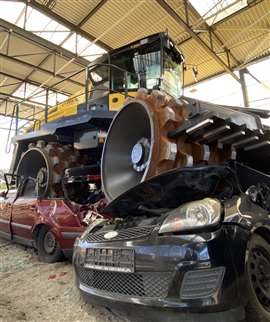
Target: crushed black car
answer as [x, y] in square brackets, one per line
[192, 242]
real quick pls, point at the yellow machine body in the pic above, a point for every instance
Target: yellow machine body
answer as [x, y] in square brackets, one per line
[116, 100]
[70, 107]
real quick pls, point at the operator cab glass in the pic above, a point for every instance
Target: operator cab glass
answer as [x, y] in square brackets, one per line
[172, 80]
[152, 63]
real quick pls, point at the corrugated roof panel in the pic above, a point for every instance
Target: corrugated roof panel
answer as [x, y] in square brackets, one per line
[26, 51]
[6, 84]
[254, 48]
[73, 11]
[13, 68]
[28, 111]
[249, 45]
[248, 25]
[249, 15]
[179, 7]
[113, 27]
[205, 70]
[80, 77]
[146, 18]
[59, 62]
[193, 53]
[65, 86]
[198, 57]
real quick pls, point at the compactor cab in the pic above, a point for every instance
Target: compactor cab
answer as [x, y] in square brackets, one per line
[151, 63]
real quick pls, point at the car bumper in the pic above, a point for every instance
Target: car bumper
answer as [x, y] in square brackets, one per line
[137, 312]
[189, 274]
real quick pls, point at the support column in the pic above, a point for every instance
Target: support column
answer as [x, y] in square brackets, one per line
[242, 73]
[86, 87]
[17, 107]
[47, 105]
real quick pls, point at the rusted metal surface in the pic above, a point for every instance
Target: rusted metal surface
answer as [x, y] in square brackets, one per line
[169, 114]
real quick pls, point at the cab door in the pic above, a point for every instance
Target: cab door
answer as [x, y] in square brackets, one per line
[5, 214]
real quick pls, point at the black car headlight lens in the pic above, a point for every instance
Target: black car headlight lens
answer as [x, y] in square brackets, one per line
[192, 215]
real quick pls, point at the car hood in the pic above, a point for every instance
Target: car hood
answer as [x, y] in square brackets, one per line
[171, 189]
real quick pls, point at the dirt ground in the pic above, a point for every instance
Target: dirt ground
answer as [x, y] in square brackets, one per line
[34, 291]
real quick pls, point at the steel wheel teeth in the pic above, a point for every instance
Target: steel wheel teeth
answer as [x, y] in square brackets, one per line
[59, 157]
[169, 114]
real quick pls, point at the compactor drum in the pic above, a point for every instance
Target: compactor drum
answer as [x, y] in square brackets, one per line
[43, 165]
[154, 133]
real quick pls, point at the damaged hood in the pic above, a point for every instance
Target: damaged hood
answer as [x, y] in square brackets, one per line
[173, 188]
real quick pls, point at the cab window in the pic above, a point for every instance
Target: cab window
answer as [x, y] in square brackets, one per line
[173, 74]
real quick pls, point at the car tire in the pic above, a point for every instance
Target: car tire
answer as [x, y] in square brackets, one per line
[258, 280]
[48, 247]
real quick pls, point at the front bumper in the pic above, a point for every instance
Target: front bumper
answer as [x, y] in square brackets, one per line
[165, 277]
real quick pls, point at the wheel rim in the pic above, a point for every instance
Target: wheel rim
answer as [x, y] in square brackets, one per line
[49, 243]
[259, 273]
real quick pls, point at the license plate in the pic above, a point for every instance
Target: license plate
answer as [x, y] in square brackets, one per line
[110, 259]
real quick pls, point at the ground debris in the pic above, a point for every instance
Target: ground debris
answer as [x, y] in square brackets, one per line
[29, 293]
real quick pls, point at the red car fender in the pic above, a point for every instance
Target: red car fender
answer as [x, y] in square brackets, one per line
[60, 219]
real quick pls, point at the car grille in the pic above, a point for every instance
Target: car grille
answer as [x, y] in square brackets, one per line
[201, 283]
[123, 234]
[146, 284]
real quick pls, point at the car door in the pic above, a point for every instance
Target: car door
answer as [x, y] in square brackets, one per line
[24, 215]
[5, 213]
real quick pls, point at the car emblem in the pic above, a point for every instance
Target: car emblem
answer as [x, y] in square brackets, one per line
[110, 234]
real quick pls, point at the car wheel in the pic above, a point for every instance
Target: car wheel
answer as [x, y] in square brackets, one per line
[48, 247]
[258, 275]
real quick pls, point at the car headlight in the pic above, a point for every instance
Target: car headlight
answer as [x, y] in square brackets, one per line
[192, 215]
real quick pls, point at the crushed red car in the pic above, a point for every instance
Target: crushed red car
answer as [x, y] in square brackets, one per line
[49, 225]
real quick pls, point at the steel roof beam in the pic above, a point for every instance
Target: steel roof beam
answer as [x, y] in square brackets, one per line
[34, 83]
[204, 45]
[43, 70]
[20, 98]
[213, 28]
[34, 4]
[212, 35]
[83, 21]
[257, 60]
[41, 42]
[91, 13]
